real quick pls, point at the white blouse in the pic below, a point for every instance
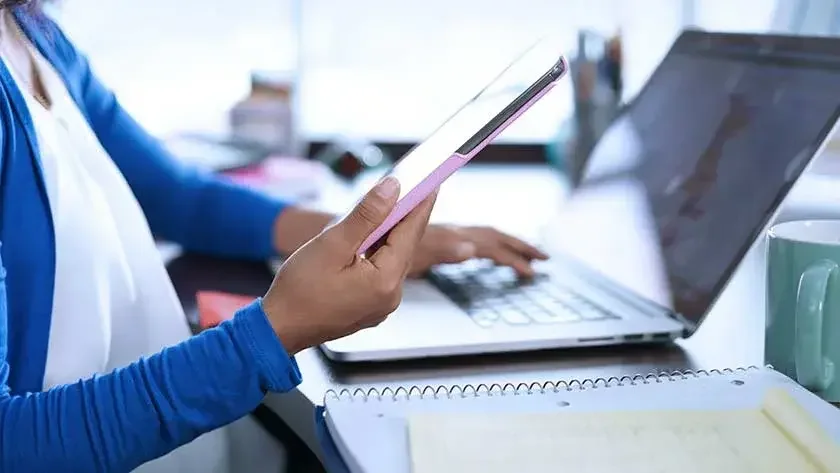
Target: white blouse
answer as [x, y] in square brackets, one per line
[113, 300]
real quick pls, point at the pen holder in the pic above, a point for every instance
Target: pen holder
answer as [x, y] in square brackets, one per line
[596, 83]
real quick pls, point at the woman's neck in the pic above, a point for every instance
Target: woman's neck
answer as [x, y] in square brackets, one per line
[16, 53]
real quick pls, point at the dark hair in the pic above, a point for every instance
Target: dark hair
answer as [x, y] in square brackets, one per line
[5, 4]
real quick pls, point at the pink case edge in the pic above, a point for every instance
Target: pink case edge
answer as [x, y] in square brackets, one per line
[440, 174]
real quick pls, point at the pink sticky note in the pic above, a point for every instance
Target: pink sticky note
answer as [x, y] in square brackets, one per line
[289, 177]
[216, 307]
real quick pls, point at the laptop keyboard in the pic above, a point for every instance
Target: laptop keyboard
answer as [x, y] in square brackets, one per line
[493, 295]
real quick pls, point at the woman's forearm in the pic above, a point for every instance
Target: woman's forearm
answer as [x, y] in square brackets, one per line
[118, 421]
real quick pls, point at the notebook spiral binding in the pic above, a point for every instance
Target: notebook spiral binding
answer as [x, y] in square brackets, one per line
[510, 389]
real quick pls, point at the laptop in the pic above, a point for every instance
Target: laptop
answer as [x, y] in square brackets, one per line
[678, 189]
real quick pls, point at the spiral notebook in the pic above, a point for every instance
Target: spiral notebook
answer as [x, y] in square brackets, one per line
[731, 421]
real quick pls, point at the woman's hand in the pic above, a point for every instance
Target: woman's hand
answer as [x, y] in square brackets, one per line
[440, 243]
[449, 244]
[325, 290]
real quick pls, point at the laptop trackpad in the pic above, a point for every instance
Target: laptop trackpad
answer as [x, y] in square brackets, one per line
[422, 314]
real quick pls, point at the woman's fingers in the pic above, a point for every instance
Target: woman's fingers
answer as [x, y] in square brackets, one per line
[394, 257]
[368, 214]
[504, 256]
[525, 249]
[506, 250]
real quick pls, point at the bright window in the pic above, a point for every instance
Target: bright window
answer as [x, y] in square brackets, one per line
[381, 69]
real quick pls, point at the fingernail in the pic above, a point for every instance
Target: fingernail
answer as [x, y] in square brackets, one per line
[388, 187]
[464, 250]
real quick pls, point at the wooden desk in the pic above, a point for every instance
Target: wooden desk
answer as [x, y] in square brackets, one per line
[516, 199]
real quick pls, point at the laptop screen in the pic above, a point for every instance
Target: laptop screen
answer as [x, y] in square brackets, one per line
[683, 182]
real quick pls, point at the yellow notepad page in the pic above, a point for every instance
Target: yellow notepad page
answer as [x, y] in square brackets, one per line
[779, 437]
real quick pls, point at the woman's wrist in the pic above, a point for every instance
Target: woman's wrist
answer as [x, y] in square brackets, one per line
[273, 360]
[290, 334]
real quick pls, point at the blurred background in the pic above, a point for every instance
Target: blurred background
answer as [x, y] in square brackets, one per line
[376, 70]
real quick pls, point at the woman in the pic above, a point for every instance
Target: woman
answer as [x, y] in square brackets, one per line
[98, 371]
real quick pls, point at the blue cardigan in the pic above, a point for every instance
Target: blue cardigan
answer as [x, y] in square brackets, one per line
[115, 422]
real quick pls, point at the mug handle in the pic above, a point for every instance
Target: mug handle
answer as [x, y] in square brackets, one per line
[813, 370]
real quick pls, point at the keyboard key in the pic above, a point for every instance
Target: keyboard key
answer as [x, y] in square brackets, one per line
[543, 317]
[514, 316]
[484, 312]
[559, 294]
[566, 315]
[484, 323]
[494, 301]
[482, 320]
[543, 299]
